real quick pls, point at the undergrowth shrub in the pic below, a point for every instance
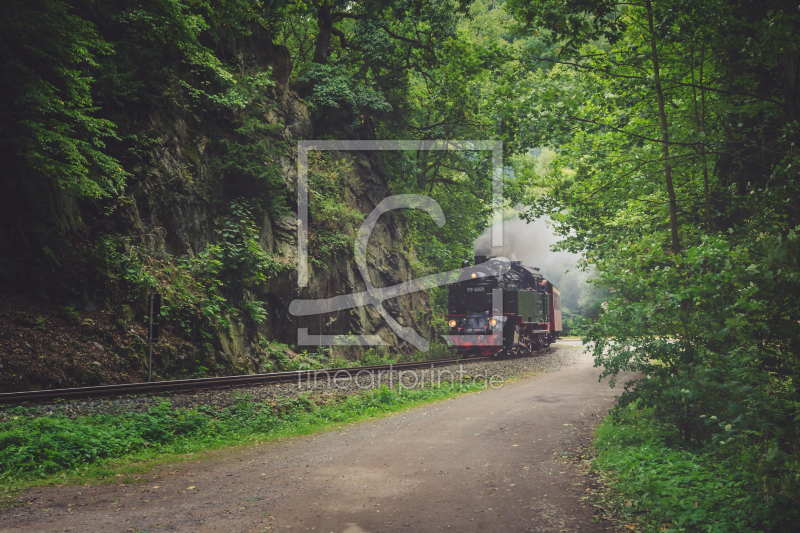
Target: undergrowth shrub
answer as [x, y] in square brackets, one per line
[46, 445]
[332, 221]
[289, 361]
[237, 260]
[667, 486]
[201, 295]
[32, 448]
[377, 356]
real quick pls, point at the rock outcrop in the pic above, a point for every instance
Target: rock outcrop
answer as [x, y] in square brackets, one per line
[177, 202]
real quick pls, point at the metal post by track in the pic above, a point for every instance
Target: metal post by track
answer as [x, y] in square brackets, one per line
[150, 340]
[154, 305]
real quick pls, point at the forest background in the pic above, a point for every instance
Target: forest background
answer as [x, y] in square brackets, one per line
[670, 129]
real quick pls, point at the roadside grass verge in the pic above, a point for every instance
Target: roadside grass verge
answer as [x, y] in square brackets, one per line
[54, 450]
[657, 484]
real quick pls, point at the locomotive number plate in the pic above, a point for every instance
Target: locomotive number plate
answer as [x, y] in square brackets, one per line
[476, 289]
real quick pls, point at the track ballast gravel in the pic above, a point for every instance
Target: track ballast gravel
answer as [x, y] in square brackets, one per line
[333, 384]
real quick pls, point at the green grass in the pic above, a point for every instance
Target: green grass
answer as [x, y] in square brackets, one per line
[56, 449]
[662, 486]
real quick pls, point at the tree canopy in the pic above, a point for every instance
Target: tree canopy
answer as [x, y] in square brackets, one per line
[675, 126]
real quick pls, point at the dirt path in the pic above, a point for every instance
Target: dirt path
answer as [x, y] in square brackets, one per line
[481, 462]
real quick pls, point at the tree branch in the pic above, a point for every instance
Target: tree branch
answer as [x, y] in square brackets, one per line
[723, 91]
[340, 35]
[629, 133]
[341, 15]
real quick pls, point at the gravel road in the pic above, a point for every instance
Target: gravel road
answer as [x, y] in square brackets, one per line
[488, 461]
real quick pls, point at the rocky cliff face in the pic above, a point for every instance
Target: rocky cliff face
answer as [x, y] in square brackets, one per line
[176, 204]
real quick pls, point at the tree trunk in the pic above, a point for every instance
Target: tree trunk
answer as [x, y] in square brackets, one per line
[673, 203]
[322, 49]
[706, 193]
[700, 117]
[791, 88]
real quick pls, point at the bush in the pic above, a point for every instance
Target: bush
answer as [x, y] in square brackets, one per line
[669, 487]
[46, 445]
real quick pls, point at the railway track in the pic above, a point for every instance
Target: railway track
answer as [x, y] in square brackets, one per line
[191, 385]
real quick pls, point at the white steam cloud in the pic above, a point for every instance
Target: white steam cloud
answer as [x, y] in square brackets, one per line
[530, 243]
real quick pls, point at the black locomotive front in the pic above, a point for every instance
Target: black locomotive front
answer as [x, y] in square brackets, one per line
[476, 316]
[502, 307]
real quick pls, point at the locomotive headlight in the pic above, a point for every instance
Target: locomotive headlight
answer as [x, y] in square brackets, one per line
[492, 322]
[474, 275]
[452, 323]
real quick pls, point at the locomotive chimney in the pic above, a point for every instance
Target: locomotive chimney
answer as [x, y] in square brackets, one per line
[480, 259]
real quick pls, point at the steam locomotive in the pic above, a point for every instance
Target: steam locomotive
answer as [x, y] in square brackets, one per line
[502, 307]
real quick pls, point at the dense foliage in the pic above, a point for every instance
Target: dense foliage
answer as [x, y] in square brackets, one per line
[675, 126]
[662, 487]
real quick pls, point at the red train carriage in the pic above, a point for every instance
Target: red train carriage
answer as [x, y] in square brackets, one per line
[503, 307]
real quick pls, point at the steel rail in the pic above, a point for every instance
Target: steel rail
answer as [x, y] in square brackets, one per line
[225, 382]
